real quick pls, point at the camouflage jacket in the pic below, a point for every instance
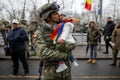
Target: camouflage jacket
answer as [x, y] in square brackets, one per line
[50, 54]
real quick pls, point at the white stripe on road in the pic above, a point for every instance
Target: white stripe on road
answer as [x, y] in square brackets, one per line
[76, 77]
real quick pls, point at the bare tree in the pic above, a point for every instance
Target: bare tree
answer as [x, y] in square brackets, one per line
[115, 4]
[33, 13]
[48, 1]
[72, 3]
[23, 11]
[13, 11]
[1, 8]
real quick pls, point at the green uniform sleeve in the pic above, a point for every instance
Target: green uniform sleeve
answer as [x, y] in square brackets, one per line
[49, 54]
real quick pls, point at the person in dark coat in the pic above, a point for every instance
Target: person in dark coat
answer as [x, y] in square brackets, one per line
[16, 38]
[108, 29]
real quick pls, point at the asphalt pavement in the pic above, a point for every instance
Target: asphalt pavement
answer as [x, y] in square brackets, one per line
[85, 71]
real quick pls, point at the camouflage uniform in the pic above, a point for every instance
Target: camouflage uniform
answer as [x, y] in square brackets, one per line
[23, 24]
[3, 24]
[50, 54]
[32, 29]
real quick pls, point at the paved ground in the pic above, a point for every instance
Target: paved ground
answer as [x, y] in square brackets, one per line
[85, 71]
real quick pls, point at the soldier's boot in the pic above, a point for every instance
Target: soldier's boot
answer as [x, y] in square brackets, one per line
[62, 67]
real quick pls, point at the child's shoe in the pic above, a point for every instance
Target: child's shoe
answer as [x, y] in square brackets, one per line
[74, 63]
[89, 61]
[94, 61]
[61, 68]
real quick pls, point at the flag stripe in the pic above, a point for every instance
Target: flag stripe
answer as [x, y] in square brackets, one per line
[89, 1]
[88, 6]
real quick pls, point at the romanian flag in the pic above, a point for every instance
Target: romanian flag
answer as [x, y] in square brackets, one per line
[57, 32]
[88, 4]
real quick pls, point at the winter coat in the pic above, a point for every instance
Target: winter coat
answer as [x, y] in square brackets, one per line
[108, 29]
[92, 36]
[67, 33]
[17, 38]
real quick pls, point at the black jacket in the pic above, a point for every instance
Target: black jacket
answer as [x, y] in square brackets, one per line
[17, 38]
[108, 29]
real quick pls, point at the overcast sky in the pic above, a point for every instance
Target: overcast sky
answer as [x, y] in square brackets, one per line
[78, 4]
[76, 7]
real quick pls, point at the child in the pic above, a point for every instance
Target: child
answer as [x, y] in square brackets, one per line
[66, 37]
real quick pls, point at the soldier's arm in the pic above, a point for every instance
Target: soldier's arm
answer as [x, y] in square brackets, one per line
[48, 54]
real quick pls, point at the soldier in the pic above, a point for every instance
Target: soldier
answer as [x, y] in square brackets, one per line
[49, 55]
[38, 42]
[3, 24]
[32, 29]
[23, 24]
[116, 44]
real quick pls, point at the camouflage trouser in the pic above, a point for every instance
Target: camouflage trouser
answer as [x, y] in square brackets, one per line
[50, 72]
[38, 48]
[49, 58]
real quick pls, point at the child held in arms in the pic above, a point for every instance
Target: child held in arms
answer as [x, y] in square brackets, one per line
[63, 36]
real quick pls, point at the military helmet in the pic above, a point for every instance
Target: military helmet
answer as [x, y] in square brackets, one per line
[34, 21]
[23, 21]
[48, 8]
[5, 22]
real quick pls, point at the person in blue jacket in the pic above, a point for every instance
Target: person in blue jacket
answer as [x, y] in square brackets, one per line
[16, 38]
